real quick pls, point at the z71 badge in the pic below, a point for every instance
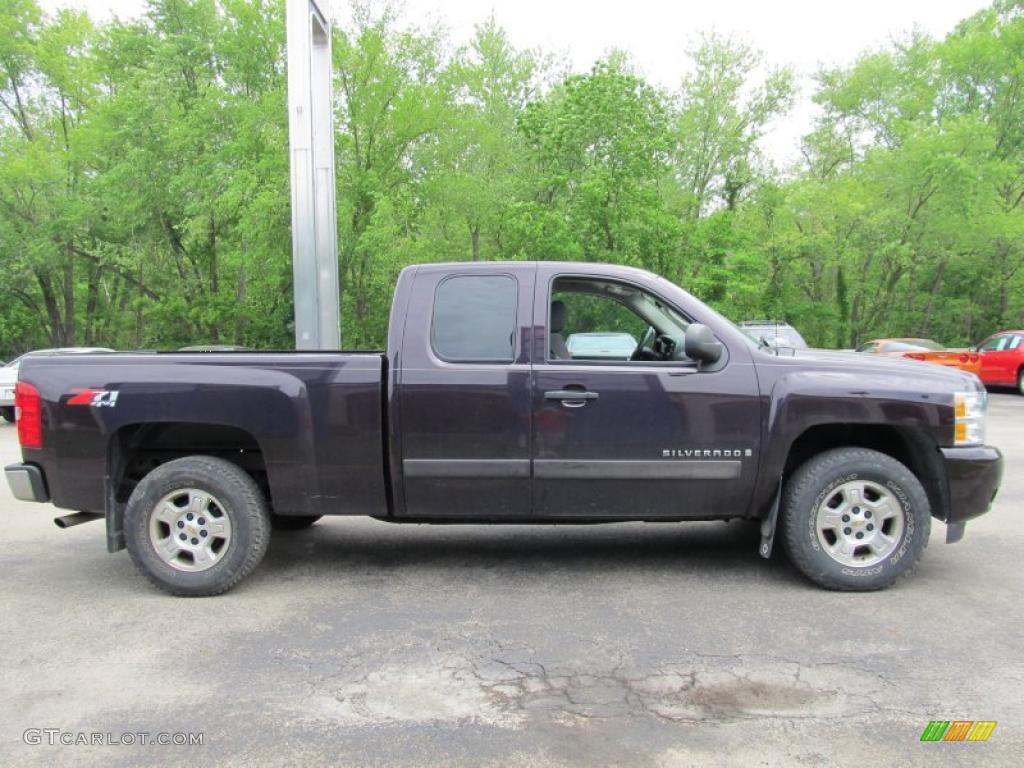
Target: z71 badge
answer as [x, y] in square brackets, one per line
[98, 398]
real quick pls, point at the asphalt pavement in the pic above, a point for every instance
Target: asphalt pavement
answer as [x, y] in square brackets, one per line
[359, 643]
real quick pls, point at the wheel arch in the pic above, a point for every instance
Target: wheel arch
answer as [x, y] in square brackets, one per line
[136, 449]
[913, 448]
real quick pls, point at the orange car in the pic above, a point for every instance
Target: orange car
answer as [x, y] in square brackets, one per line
[899, 347]
[927, 350]
[964, 359]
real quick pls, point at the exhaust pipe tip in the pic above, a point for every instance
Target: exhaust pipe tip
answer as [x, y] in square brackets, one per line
[68, 521]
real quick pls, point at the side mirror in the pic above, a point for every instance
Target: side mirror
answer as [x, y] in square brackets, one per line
[701, 344]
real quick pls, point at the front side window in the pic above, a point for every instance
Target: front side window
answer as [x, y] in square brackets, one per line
[995, 344]
[592, 319]
[475, 319]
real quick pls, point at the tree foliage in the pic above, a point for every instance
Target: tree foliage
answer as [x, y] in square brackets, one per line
[144, 175]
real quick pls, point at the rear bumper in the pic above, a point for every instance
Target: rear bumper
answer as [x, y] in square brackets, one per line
[27, 482]
[973, 474]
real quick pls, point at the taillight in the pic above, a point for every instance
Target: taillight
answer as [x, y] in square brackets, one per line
[964, 358]
[915, 356]
[28, 407]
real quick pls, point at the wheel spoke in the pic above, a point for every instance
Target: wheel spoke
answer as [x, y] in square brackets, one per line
[843, 547]
[216, 527]
[202, 556]
[169, 548]
[197, 502]
[883, 508]
[853, 495]
[830, 518]
[882, 543]
[167, 513]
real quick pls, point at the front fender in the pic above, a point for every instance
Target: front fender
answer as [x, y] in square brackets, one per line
[802, 399]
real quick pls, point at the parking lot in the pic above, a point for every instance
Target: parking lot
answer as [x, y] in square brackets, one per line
[362, 643]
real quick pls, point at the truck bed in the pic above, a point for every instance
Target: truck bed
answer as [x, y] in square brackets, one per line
[311, 422]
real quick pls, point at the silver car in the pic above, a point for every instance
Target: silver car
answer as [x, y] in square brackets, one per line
[9, 374]
[773, 334]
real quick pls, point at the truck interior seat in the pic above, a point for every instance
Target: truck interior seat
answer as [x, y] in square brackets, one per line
[558, 316]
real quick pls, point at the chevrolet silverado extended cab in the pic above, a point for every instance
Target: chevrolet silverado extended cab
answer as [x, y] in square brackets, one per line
[477, 412]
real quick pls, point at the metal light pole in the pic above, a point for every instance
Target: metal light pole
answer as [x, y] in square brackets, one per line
[311, 144]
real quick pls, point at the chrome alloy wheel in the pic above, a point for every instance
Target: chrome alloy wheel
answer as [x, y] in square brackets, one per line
[189, 530]
[860, 523]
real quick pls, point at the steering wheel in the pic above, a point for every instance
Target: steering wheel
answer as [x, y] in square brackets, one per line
[645, 349]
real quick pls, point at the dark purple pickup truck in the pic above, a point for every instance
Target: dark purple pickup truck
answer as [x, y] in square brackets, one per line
[479, 413]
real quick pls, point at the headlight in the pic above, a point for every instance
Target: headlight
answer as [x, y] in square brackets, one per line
[969, 408]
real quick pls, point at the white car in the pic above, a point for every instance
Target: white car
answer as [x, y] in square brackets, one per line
[601, 345]
[9, 374]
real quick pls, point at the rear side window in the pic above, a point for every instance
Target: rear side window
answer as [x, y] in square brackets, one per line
[475, 319]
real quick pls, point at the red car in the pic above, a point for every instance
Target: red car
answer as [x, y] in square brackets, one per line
[1002, 360]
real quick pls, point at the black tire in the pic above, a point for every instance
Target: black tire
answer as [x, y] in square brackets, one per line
[292, 522]
[1020, 382]
[242, 502]
[820, 482]
[8, 413]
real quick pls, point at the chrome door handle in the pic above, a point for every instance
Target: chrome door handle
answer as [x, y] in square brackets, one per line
[569, 395]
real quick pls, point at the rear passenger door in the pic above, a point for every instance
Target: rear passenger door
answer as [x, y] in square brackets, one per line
[463, 406]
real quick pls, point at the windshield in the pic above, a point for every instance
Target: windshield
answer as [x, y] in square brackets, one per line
[925, 344]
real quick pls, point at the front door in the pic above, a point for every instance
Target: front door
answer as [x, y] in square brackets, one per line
[624, 425]
[999, 355]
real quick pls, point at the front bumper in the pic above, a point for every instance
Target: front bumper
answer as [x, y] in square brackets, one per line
[973, 474]
[27, 482]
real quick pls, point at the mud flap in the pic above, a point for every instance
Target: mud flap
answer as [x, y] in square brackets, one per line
[114, 513]
[955, 532]
[768, 525]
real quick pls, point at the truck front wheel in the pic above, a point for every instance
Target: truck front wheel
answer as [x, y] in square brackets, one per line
[197, 526]
[855, 519]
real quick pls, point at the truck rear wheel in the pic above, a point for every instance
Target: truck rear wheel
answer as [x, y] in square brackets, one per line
[855, 519]
[197, 526]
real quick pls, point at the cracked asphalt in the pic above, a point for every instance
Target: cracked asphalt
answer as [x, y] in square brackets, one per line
[359, 643]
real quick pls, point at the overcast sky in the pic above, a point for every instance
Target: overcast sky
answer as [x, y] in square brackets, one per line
[801, 33]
